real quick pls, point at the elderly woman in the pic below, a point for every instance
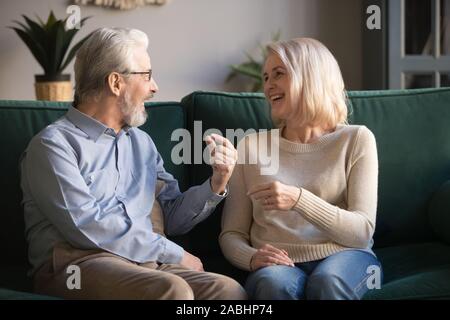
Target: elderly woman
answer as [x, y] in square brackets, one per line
[306, 231]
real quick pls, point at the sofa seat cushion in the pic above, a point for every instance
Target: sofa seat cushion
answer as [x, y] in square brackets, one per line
[219, 264]
[15, 277]
[414, 271]
[6, 294]
[439, 212]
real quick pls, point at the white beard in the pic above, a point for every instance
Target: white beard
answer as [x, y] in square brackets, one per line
[132, 115]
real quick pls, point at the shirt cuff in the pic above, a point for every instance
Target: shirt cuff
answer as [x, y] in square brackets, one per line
[172, 253]
[210, 195]
[223, 195]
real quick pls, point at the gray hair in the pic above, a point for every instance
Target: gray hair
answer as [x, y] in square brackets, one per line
[106, 50]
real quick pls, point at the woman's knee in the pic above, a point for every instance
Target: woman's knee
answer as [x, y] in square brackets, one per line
[275, 283]
[343, 275]
[328, 286]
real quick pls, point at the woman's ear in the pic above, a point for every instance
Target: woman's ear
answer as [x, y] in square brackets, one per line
[115, 83]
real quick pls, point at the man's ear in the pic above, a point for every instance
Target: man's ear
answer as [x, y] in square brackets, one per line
[115, 83]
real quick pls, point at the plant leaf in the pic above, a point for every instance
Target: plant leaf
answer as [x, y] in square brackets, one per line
[49, 42]
[257, 86]
[36, 49]
[253, 68]
[69, 35]
[58, 46]
[40, 21]
[264, 51]
[51, 20]
[52, 34]
[73, 51]
[247, 70]
[24, 27]
[250, 58]
[276, 36]
[231, 76]
[36, 31]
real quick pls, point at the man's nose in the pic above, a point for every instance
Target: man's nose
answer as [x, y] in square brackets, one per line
[153, 86]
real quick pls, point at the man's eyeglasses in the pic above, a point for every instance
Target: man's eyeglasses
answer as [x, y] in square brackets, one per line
[148, 73]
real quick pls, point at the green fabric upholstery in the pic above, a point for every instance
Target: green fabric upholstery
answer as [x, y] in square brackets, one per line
[413, 139]
[219, 111]
[415, 271]
[19, 124]
[439, 212]
[412, 132]
[6, 294]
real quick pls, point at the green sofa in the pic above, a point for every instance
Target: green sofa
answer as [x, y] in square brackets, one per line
[412, 128]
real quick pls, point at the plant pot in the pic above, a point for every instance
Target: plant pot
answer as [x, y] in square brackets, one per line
[53, 88]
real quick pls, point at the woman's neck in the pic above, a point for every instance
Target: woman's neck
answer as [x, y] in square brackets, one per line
[307, 134]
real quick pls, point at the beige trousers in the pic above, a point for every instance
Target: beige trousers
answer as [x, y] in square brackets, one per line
[107, 276]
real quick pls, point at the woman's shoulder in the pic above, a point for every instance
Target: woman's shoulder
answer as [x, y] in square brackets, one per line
[361, 139]
[357, 131]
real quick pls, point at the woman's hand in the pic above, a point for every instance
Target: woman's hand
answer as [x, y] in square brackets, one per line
[268, 255]
[275, 195]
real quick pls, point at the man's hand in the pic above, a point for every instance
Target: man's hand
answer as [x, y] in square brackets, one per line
[192, 262]
[268, 255]
[223, 160]
[275, 195]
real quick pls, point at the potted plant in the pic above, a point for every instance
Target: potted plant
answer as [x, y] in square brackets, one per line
[49, 44]
[252, 68]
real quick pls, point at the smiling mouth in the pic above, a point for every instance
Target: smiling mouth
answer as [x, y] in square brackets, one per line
[276, 97]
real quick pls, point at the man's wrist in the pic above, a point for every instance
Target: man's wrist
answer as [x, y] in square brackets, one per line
[221, 190]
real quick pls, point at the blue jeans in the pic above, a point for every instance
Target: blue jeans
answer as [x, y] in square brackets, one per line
[342, 276]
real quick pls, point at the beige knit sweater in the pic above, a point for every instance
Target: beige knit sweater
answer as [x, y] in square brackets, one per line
[338, 177]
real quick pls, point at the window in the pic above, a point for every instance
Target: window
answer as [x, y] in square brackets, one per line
[419, 43]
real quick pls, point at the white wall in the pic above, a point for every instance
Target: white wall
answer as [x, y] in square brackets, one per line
[192, 42]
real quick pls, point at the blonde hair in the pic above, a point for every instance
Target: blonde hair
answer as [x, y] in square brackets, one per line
[317, 88]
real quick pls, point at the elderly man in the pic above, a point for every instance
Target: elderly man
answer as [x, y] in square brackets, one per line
[89, 184]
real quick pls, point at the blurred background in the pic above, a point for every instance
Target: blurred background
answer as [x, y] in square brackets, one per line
[193, 43]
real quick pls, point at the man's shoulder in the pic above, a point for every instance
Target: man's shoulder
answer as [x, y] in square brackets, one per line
[55, 132]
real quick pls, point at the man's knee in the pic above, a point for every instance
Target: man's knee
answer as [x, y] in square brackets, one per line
[168, 287]
[226, 288]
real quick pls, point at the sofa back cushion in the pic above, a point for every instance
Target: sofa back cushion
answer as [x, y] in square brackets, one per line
[216, 110]
[413, 139]
[20, 121]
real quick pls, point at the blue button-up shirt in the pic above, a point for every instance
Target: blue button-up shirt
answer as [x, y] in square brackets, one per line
[84, 184]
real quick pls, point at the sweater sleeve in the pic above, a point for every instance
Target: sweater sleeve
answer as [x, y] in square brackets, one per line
[355, 226]
[237, 218]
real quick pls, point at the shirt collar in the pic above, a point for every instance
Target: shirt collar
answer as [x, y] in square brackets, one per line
[93, 128]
